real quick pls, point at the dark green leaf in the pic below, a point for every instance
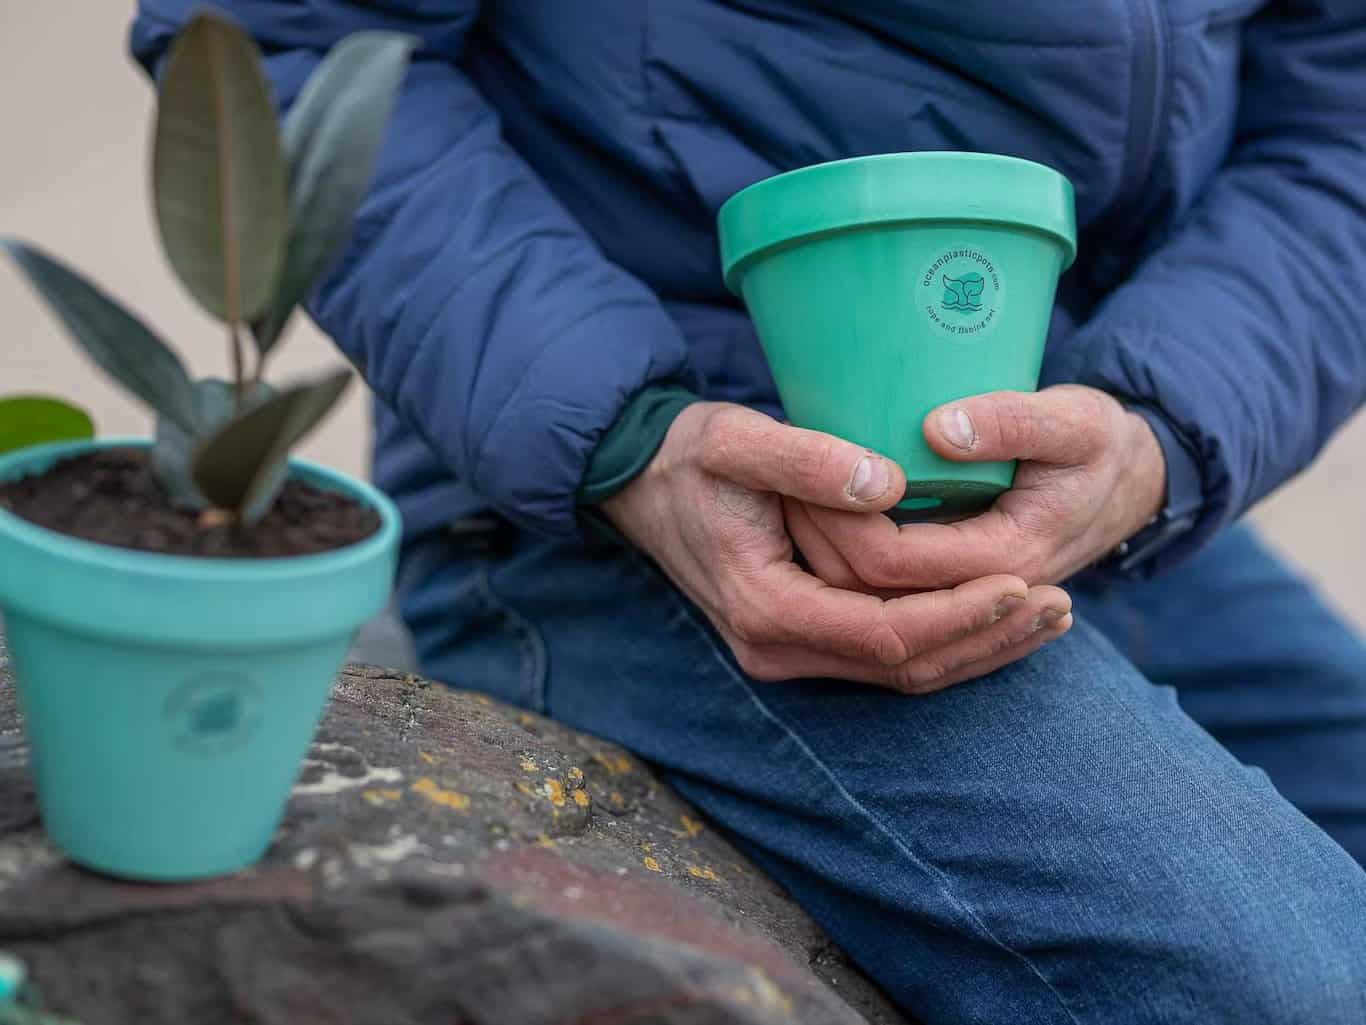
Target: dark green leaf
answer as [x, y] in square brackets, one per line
[173, 453]
[115, 339]
[218, 173]
[242, 464]
[34, 419]
[330, 138]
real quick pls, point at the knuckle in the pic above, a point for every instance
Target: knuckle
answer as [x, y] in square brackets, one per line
[945, 616]
[1016, 424]
[921, 675]
[880, 643]
[880, 566]
[1100, 408]
[718, 439]
[876, 562]
[805, 457]
[1093, 416]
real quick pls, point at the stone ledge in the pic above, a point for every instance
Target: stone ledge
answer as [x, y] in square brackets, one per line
[445, 859]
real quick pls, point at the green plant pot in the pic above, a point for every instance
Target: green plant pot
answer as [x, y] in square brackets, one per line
[884, 286]
[169, 701]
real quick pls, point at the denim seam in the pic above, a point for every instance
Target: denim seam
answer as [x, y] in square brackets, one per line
[898, 842]
[532, 645]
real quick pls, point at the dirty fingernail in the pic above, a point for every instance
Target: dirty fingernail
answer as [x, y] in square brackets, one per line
[1048, 617]
[870, 478]
[1006, 606]
[956, 427]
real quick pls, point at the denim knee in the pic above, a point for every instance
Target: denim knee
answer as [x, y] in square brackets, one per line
[1284, 960]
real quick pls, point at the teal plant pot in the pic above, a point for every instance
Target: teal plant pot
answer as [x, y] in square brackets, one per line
[884, 286]
[169, 701]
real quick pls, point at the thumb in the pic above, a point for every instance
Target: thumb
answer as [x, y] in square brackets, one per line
[754, 450]
[1063, 425]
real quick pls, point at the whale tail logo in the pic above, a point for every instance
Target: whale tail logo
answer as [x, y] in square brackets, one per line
[963, 294]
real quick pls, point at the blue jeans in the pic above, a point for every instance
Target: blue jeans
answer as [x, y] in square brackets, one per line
[1159, 817]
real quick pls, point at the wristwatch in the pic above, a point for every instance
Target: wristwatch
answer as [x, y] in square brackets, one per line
[1137, 556]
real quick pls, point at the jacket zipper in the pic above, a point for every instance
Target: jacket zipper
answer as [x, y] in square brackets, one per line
[1149, 98]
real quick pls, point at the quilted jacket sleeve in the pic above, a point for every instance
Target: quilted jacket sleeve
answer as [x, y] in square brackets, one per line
[1246, 330]
[480, 311]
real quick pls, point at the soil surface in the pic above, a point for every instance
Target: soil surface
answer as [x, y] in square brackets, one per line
[112, 497]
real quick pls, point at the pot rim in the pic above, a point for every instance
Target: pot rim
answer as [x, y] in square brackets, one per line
[199, 568]
[894, 188]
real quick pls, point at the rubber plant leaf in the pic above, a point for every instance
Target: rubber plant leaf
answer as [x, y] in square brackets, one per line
[242, 465]
[119, 342]
[218, 171]
[36, 419]
[173, 452]
[330, 138]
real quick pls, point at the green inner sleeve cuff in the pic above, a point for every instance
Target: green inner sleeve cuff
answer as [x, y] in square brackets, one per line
[630, 443]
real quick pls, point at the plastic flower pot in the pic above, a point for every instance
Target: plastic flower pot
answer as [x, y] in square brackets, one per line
[169, 701]
[884, 286]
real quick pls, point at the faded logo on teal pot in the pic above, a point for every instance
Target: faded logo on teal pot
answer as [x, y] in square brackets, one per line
[959, 292]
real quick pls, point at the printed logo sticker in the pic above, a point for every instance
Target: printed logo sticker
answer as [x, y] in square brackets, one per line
[213, 714]
[960, 293]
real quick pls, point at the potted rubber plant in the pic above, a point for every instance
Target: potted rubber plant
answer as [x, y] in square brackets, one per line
[176, 607]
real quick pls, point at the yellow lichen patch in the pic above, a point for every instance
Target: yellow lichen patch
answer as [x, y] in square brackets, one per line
[651, 864]
[617, 800]
[616, 764]
[428, 788]
[554, 791]
[581, 798]
[429, 759]
[544, 841]
[381, 796]
[528, 765]
[703, 873]
[575, 774]
[691, 826]
[527, 789]
[482, 699]
[526, 719]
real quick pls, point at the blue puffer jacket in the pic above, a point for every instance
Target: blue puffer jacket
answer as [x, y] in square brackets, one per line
[540, 244]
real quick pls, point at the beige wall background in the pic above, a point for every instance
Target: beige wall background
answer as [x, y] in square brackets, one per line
[74, 124]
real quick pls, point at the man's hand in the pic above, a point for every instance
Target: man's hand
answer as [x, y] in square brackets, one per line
[709, 510]
[1091, 474]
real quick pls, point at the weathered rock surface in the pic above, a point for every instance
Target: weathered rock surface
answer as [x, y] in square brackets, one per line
[445, 859]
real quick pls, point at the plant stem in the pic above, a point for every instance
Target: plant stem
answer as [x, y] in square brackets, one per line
[238, 370]
[214, 517]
